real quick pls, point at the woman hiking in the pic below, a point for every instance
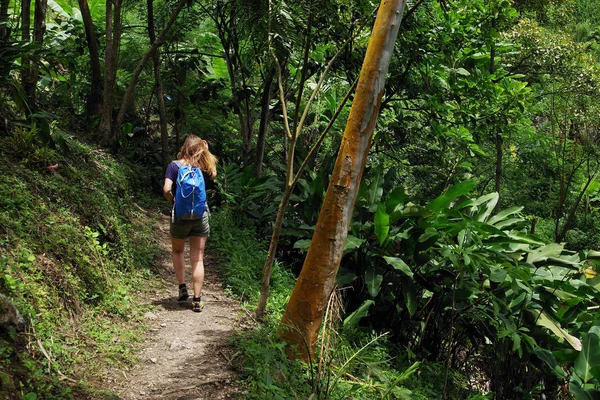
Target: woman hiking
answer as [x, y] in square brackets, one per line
[189, 215]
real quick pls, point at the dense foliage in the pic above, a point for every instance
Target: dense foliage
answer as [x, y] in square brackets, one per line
[472, 248]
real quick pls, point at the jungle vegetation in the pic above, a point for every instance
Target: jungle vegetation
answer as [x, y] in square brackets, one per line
[426, 174]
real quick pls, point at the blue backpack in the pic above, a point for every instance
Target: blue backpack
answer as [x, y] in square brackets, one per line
[190, 196]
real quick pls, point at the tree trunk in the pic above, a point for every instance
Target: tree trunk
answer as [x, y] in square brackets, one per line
[265, 117]
[225, 20]
[111, 56]
[573, 211]
[499, 155]
[39, 29]
[26, 37]
[164, 135]
[128, 97]
[302, 318]
[4, 32]
[291, 179]
[264, 292]
[94, 101]
[498, 178]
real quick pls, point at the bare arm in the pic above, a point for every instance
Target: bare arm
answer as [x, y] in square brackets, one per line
[167, 190]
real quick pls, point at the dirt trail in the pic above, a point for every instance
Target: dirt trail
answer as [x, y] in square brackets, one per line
[185, 355]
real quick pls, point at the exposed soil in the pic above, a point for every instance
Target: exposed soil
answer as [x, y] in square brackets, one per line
[185, 355]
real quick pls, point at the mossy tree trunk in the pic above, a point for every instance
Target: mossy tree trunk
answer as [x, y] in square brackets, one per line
[301, 321]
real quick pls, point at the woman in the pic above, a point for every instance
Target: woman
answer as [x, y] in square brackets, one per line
[194, 153]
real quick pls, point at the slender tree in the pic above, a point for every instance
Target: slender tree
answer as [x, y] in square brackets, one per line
[26, 37]
[232, 23]
[291, 138]
[94, 101]
[164, 135]
[265, 118]
[111, 56]
[128, 96]
[302, 318]
[39, 29]
[4, 32]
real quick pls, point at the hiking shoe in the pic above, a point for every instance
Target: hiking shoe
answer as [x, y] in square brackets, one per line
[197, 306]
[183, 294]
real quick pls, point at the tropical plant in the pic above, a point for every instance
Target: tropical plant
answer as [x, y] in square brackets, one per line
[449, 278]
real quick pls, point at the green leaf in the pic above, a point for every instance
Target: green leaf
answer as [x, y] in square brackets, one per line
[376, 187]
[507, 222]
[593, 187]
[544, 320]
[410, 299]
[516, 303]
[398, 264]
[490, 200]
[595, 373]
[373, 281]
[524, 238]
[382, 223]
[565, 355]
[303, 244]
[352, 242]
[395, 198]
[502, 215]
[344, 277]
[451, 194]
[462, 71]
[581, 394]
[498, 275]
[542, 253]
[355, 317]
[590, 355]
[61, 7]
[548, 358]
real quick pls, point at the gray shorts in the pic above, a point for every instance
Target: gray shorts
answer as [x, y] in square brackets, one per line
[182, 229]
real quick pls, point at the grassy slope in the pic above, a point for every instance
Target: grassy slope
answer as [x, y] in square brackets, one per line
[74, 249]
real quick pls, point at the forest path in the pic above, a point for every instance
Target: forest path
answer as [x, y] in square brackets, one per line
[185, 355]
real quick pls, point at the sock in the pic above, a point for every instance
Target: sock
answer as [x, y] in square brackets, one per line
[181, 285]
[197, 298]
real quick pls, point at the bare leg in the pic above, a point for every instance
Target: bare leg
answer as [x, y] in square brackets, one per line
[178, 246]
[197, 258]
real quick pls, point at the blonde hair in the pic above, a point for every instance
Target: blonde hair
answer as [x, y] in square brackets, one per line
[195, 152]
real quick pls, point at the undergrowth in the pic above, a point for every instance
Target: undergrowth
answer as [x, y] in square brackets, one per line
[74, 249]
[350, 361]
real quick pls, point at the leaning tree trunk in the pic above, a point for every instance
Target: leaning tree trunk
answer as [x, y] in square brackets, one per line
[111, 56]
[26, 37]
[164, 135]
[94, 101]
[128, 97]
[302, 318]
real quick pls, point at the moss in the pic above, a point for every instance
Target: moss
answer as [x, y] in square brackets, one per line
[72, 246]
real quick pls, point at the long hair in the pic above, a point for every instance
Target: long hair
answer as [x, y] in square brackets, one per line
[195, 152]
